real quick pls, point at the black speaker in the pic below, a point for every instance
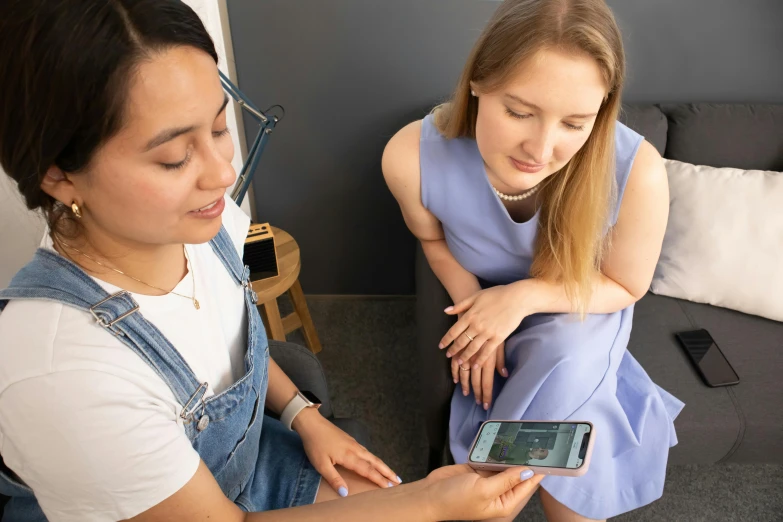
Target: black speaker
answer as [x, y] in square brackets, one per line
[260, 253]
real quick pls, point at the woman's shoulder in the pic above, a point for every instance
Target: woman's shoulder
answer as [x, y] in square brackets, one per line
[400, 160]
[28, 329]
[45, 338]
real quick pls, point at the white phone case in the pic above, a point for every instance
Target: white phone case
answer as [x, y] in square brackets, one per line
[540, 470]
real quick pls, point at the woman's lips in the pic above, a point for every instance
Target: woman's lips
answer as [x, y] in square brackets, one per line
[211, 211]
[529, 168]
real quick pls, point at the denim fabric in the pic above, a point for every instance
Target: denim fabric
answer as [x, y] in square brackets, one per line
[258, 469]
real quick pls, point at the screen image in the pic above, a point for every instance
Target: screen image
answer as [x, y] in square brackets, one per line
[555, 445]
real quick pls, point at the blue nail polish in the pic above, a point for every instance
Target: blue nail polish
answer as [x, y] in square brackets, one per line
[399, 479]
[343, 491]
[526, 474]
[390, 484]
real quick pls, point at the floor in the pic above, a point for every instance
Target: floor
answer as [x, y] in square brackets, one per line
[368, 348]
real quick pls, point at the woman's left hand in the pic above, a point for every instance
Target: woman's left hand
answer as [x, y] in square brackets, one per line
[482, 379]
[327, 445]
[487, 318]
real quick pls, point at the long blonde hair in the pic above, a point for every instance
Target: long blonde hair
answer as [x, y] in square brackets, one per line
[576, 201]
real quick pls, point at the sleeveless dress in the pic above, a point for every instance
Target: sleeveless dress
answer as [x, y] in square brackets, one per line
[560, 368]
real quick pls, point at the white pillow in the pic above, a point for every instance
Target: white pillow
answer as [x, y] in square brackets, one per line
[724, 241]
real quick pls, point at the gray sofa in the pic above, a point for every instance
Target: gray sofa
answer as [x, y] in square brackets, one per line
[743, 423]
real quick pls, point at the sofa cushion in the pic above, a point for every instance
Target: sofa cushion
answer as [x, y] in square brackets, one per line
[647, 120]
[707, 427]
[748, 137]
[714, 251]
[754, 347]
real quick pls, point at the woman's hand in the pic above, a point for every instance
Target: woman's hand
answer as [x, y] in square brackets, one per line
[461, 493]
[327, 445]
[482, 378]
[487, 318]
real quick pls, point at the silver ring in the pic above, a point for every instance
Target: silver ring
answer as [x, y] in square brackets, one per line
[466, 335]
[465, 369]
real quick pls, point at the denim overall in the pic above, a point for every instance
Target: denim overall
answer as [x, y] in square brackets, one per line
[258, 470]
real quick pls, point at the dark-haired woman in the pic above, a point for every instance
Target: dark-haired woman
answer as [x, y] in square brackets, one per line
[134, 368]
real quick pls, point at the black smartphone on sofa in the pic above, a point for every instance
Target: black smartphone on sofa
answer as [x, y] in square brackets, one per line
[710, 362]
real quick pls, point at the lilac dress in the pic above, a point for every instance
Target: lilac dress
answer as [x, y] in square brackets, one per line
[559, 367]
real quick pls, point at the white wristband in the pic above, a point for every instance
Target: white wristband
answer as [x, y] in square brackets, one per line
[293, 408]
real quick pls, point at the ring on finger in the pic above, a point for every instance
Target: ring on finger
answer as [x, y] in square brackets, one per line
[465, 369]
[468, 335]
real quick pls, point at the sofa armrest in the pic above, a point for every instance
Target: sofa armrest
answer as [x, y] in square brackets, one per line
[436, 386]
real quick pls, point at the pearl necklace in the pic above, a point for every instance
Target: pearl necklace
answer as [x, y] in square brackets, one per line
[519, 197]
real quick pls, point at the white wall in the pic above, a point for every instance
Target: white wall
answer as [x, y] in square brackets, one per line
[214, 16]
[21, 230]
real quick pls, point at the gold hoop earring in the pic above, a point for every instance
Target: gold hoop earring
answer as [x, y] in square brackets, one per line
[76, 210]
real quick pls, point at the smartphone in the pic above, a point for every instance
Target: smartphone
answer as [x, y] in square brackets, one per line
[710, 362]
[547, 447]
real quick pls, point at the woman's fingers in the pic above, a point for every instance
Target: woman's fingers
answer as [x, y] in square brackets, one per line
[512, 487]
[464, 378]
[487, 352]
[479, 340]
[365, 468]
[378, 464]
[455, 371]
[332, 477]
[455, 339]
[462, 306]
[500, 359]
[487, 380]
[475, 381]
[456, 334]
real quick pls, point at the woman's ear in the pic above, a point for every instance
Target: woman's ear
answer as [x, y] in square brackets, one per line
[56, 184]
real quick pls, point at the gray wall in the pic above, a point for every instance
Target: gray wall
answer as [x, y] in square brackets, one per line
[351, 72]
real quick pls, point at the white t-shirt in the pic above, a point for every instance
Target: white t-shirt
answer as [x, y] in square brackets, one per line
[84, 421]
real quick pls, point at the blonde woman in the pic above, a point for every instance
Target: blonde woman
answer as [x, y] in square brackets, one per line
[543, 217]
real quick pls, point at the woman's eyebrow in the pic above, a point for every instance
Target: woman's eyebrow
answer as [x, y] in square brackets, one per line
[169, 134]
[536, 107]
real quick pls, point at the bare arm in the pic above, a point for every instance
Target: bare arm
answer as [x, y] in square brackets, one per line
[201, 499]
[637, 238]
[403, 175]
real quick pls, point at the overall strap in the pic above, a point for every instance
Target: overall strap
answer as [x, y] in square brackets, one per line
[225, 250]
[52, 277]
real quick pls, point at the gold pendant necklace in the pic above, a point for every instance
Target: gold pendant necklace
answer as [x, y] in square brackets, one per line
[196, 304]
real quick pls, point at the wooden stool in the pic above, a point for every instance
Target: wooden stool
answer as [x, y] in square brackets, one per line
[269, 289]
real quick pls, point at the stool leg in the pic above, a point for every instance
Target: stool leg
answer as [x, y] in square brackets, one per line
[300, 305]
[274, 320]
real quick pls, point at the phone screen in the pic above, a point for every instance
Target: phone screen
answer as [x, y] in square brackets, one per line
[549, 445]
[703, 351]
